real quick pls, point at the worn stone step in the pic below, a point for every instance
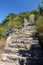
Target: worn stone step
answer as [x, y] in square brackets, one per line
[6, 56]
[7, 63]
[13, 50]
[17, 45]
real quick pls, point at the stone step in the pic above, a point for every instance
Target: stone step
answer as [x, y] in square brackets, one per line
[23, 38]
[29, 40]
[13, 50]
[17, 45]
[34, 42]
[7, 63]
[6, 57]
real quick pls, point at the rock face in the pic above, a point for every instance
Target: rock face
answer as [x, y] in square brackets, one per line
[22, 46]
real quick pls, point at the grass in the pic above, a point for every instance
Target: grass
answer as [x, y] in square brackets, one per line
[2, 42]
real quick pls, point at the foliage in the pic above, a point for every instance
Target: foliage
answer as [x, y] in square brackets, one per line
[42, 1]
[39, 22]
[24, 15]
[13, 21]
[40, 8]
[9, 18]
[36, 13]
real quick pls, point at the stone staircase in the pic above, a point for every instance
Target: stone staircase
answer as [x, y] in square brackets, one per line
[22, 47]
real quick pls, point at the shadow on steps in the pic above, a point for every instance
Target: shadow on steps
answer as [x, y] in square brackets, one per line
[34, 55]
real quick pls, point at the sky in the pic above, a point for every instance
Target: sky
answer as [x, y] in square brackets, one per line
[16, 6]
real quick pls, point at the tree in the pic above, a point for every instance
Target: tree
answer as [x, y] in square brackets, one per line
[42, 1]
[9, 18]
[40, 8]
[36, 13]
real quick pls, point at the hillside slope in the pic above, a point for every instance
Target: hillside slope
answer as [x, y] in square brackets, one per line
[13, 21]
